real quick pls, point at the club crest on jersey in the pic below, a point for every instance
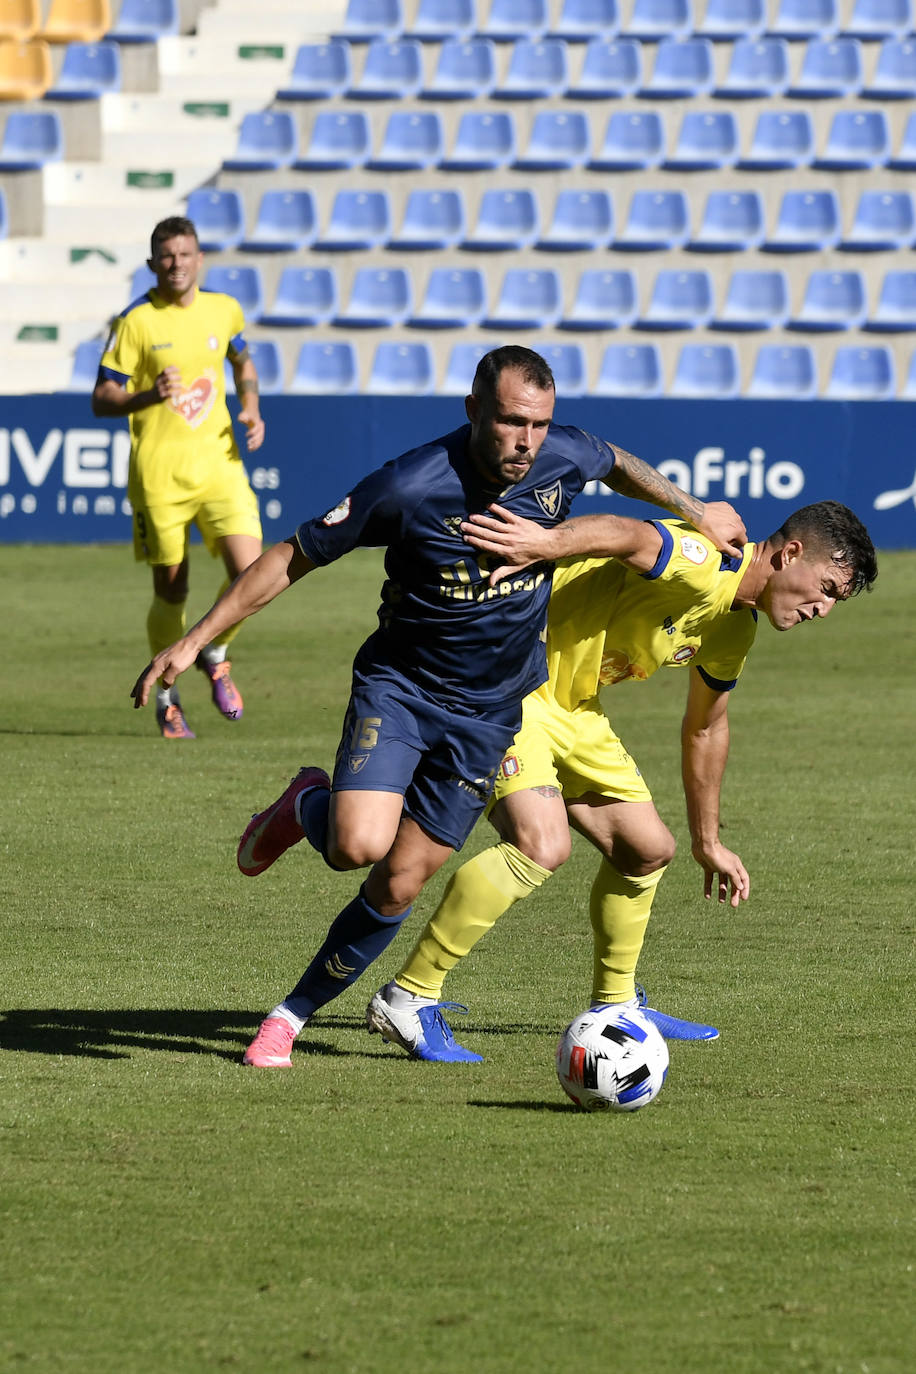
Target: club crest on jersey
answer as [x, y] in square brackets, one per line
[548, 498]
[213, 342]
[510, 766]
[684, 654]
[338, 514]
[693, 549]
[356, 764]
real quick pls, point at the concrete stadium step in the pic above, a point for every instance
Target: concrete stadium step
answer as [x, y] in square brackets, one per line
[90, 202]
[200, 70]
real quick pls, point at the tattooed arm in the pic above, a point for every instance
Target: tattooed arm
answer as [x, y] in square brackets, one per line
[719, 521]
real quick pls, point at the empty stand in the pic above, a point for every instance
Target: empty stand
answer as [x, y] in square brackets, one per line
[833, 300]
[461, 366]
[267, 141]
[267, 358]
[707, 140]
[506, 220]
[465, 70]
[286, 222]
[321, 71]
[581, 20]
[633, 370]
[755, 299]
[527, 299]
[76, 21]
[862, 374]
[872, 20]
[433, 219]
[612, 68]
[359, 220]
[244, 283]
[582, 220]
[884, 222]
[339, 141]
[634, 140]
[436, 20]
[89, 71]
[402, 369]
[455, 298]
[782, 140]
[392, 71]
[328, 368]
[365, 20]
[412, 142]
[305, 296]
[20, 20]
[895, 312]
[567, 363]
[784, 372]
[894, 76]
[706, 371]
[538, 70]
[509, 20]
[683, 69]
[904, 159]
[804, 19]
[679, 300]
[809, 222]
[729, 20]
[219, 217]
[31, 139]
[26, 70]
[604, 300]
[145, 21]
[657, 220]
[832, 69]
[485, 141]
[379, 298]
[758, 69]
[654, 20]
[560, 140]
[732, 222]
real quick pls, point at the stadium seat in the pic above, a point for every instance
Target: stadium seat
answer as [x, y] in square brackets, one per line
[894, 76]
[365, 20]
[140, 282]
[76, 21]
[412, 142]
[754, 300]
[732, 222]
[287, 221]
[455, 298]
[509, 20]
[402, 369]
[20, 20]
[604, 300]
[89, 71]
[86, 359]
[707, 141]
[267, 358]
[725, 21]
[895, 312]
[560, 140]
[4, 216]
[379, 298]
[461, 366]
[393, 70]
[634, 140]
[782, 139]
[785, 372]
[909, 386]
[527, 299]
[884, 222]
[538, 70]
[679, 300]
[359, 219]
[305, 296]
[321, 71]
[657, 220]
[219, 217]
[758, 69]
[683, 70]
[432, 220]
[858, 140]
[833, 300]
[268, 140]
[244, 283]
[862, 374]
[808, 222]
[612, 68]
[339, 141]
[437, 20]
[145, 21]
[706, 371]
[632, 370]
[464, 71]
[805, 19]
[581, 20]
[872, 21]
[904, 160]
[831, 69]
[324, 368]
[26, 69]
[582, 220]
[506, 220]
[654, 20]
[485, 142]
[31, 138]
[567, 363]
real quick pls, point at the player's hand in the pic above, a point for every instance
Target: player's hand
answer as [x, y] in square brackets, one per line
[168, 665]
[168, 383]
[724, 875]
[255, 426]
[723, 525]
[510, 537]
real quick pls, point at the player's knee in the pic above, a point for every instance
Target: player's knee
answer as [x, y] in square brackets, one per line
[655, 851]
[546, 846]
[355, 851]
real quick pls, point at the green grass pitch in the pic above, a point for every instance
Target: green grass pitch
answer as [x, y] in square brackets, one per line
[164, 1211]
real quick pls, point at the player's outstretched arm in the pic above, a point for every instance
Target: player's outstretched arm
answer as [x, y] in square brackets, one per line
[719, 521]
[704, 752]
[518, 542]
[247, 389]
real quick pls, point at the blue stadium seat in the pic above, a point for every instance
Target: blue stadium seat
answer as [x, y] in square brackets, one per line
[831, 69]
[506, 219]
[455, 298]
[884, 222]
[438, 20]
[461, 366]
[509, 20]
[465, 70]
[725, 21]
[655, 20]
[366, 20]
[267, 358]
[630, 370]
[379, 298]
[909, 386]
[754, 300]
[785, 372]
[219, 217]
[324, 368]
[305, 296]
[359, 219]
[758, 69]
[4, 216]
[732, 222]
[581, 220]
[604, 300]
[393, 70]
[567, 363]
[683, 69]
[862, 374]
[433, 219]
[321, 71]
[833, 300]
[402, 369]
[858, 140]
[904, 160]
[268, 140]
[782, 139]
[872, 21]
[485, 141]
[895, 312]
[581, 20]
[611, 68]
[634, 140]
[805, 19]
[89, 71]
[286, 222]
[560, 140]
[145, 21]
[527, 299]
[85, 370]
[679, 300]
[412, 142]
[808, 222]
[657, 220]
[707, 141]
[894, 76]
[140, 282]
[538, 70]
[706, 371]
[31, 139]
[244, 283]
[339, 141]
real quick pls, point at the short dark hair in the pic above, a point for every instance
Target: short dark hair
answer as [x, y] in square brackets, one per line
[839, 533]
[172, 228]
[531, 365]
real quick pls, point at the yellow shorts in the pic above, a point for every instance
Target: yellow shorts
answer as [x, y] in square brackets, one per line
[226, 505]
[576, 751]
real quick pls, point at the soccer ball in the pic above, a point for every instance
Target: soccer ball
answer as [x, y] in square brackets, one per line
[611, 1059]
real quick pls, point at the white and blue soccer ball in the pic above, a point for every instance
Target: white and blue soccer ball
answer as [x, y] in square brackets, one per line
[612, 1059]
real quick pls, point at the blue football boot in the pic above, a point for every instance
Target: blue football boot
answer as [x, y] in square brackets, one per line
[420, 1029]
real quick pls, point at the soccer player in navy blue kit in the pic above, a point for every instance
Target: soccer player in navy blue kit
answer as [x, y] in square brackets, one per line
[437, 689]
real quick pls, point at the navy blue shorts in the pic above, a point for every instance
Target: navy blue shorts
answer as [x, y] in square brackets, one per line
[442, 760]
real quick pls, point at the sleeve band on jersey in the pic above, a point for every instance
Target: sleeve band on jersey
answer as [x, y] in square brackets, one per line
[664, 556]
[111, 374]
[714, 683]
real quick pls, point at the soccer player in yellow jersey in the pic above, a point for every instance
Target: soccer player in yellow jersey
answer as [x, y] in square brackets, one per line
[163, 369]
[658, 595]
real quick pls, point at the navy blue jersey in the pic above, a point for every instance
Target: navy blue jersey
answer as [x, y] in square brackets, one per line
[440, 622]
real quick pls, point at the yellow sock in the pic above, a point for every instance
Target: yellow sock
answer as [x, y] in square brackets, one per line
[619, 908]
[165, 622]
[228, 635]
[476, 897]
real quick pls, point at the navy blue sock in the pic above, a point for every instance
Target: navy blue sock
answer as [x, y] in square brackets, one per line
[314, 807]
[358, 935]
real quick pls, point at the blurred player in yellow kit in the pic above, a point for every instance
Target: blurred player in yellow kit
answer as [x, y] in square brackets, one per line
[163, 369]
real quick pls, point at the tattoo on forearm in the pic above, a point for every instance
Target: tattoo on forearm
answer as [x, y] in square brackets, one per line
[248, 384]
[643, 483]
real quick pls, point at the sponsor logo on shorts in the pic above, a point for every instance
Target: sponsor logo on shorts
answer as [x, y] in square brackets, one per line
[693, 550]
[510, 766]
[338, 514]
[548, 498]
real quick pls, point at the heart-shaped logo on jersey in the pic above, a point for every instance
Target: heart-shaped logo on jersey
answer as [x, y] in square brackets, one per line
[196, 401]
